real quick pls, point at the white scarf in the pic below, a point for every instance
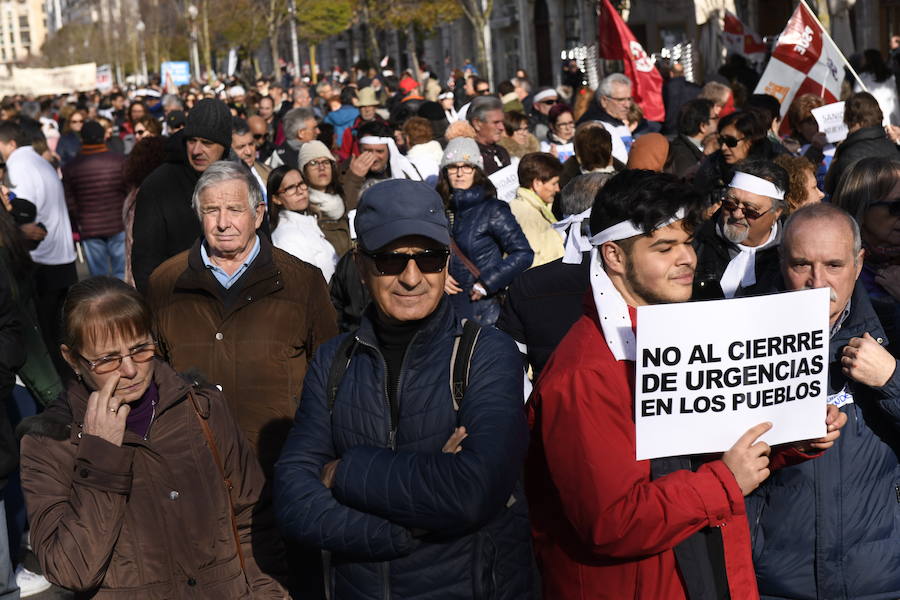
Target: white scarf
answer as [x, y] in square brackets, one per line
[330, 206]
[401, 168]
[741, 270]
[615, 320]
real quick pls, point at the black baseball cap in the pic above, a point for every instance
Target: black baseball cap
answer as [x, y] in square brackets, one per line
[398, 208]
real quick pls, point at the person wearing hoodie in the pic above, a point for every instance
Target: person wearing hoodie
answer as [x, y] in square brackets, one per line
[164, 221]
[345, 116]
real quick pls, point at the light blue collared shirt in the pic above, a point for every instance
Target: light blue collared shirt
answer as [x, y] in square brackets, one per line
[221, 276]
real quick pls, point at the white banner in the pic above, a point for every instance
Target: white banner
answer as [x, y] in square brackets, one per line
[709, 371]
[58, 80]
[506, 180]
[831, 121]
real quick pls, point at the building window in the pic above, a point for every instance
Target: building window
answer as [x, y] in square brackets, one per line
[23, 22]
[26, 37]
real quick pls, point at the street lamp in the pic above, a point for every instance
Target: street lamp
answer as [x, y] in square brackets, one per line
[195, 53]
[140, 29]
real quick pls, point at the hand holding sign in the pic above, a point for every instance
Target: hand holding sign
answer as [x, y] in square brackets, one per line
[834, 420]
[865, 361]
[749, 462]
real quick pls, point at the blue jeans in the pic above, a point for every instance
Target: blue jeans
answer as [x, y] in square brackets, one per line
[105, 255]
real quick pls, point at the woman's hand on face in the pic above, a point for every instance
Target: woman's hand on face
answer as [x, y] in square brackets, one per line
[105, 415]
[451, 286]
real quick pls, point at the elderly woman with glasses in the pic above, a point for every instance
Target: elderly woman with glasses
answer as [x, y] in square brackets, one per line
[488, 246]
[137, 480]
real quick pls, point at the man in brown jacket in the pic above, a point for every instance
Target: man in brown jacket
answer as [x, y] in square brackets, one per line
[242, 314]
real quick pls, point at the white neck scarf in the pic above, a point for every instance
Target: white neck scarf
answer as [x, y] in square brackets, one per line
[741, 271]
[612, 310]
[401, 168]
[330, 206]
[575, 242]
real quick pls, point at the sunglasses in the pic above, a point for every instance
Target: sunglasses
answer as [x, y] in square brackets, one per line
[483, 91]
[394, 263]
[730, 140]
[259, 136]
[731, 206]
[548, 102]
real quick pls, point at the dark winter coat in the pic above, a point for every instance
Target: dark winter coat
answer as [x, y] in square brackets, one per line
[94, 183]
[542, 305]
[830, 528]
[713, 256]
[405, 520]
[164, 220]
[684, 155]
[488, 234]
[12, 356]
[862, 143]
[149, 519]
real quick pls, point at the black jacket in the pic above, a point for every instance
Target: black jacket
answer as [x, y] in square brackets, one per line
[348, 294]
[676, 92]
[683, 155]
[164, 221]
[713, 258]
[862, 143]
[12, 356]
[542, 305]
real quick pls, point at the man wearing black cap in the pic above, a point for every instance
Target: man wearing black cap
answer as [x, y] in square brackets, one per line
[164, 223]
[396, 476]
[94, 184]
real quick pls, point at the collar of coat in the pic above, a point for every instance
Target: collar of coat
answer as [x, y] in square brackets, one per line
[445, 320]
[534, 201]
[197, 277]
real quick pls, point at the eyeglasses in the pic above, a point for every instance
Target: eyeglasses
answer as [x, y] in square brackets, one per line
[623, 100]
[730, 205]
[293, 189]
[566, 124]
[394, 263]
[483, 91]
[76, 121]
[108, 364]
[730, 140]
[259, 136]
[321, 162]
[464, 169]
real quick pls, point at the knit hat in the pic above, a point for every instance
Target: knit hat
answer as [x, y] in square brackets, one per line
[462, 150]
[210, 119]
[311, 151]
[92, 133]
[366, 97]
[649, 152]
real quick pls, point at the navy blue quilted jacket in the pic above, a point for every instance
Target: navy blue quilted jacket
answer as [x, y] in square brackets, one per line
[410, 521]
[489, 235]
[830, 527]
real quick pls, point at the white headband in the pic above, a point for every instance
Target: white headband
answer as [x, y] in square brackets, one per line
[545, 94]
[755, 185]
[445, 95]
[575, 242]
[626, 229]
[371, 139]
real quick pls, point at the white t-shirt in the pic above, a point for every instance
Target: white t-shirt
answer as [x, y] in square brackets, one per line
[34, 179]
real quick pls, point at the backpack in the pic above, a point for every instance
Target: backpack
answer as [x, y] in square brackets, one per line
[460, 363]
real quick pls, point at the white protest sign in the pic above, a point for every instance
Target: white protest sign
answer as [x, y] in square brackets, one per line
[709, 371]
[831, 121]
[506, 180]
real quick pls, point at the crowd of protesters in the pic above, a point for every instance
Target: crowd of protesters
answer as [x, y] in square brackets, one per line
[326, 350]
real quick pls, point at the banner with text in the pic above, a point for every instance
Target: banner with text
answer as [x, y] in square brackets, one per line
[56, 80]
[709, 371]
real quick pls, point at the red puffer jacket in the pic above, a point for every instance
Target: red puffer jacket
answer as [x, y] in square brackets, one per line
[95, 191]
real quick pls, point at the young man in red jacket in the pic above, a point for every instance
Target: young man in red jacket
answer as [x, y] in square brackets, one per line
[606, 525]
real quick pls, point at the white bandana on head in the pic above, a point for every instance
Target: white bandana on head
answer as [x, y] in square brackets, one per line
[741, 270]
[401, 168]
[615, 321]
[575, 242]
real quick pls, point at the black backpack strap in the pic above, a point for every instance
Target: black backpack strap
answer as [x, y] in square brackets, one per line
[339, 365]
[461, 360]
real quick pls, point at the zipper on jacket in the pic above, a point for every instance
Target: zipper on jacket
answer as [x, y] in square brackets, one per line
[392, 434]
[386, 577]
[152, 418]
[897, 490]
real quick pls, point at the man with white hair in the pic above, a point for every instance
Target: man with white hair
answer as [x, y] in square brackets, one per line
[241, 313]
[486, 117]
[737, 250]
[829, 528]
[300, 126]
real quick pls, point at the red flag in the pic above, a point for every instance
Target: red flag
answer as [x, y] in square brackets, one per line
[618, 43]
[805, 61]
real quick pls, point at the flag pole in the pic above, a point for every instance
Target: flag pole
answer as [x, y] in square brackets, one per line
[828, 35]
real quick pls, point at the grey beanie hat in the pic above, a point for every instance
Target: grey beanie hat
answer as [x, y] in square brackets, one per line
[210, 119]
[462, 150]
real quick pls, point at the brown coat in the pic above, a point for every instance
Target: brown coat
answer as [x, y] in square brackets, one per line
[258, 347]
[149, 519]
